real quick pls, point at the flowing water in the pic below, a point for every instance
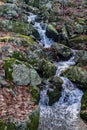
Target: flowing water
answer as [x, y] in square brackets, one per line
[64, 114]
[41, 28]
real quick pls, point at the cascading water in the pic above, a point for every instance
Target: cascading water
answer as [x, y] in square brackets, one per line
[41, 28]
[63, 115]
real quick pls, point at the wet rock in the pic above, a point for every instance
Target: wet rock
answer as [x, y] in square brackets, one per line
[54, 92]
[51, 32]
[78, 42]
[50, 54]
[81, 58]
[62, 50]
[78, 75]
[48, 69]
[83, 112]
[35, 92]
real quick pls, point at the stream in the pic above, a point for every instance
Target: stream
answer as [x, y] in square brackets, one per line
[64, 114]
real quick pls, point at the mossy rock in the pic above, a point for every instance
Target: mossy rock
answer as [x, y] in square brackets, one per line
[62, 50]
[83, 115]
[19, 40]
[27, 38]
[80, 39]
[7, 126]
[18, 55]
[8, 66]
[81, 58]
[30, 124]
[9, 10]
[7, 38]
[35, 92]
[48, 69]
[15, 26]
[84, 101]
[83, 112]
[78, 75]
[21, 73]
[34, 120]
[51, 32]
[54, 93]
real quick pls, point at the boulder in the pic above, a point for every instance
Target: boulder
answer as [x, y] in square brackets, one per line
[9, 11]
[48, 69]
[18, 40]
[51, 32]
[21, 73]
[62, 50]
[78, 75]
[81, 58]
[15, 26]
[34, 78]
[83, 112]
[54, 91]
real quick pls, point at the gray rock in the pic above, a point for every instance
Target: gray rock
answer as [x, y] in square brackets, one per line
[81, 57]
[21, 74]
[51, 32]
[3, 83]
[34, 77]
[9, 10]
[78, 75]
[63, 50]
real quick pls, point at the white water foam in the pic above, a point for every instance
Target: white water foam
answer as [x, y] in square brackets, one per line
[64, 114]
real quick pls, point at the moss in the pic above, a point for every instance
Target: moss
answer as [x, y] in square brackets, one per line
[34, 120]
[18, 55]
[48, 69]
[7, 126]
[35, 93]
[6, 39]
[80, 39]
[31, 124]
[83, 112]
[84, 101]
[20, 27]
[22, 40]
[8, 66]
[27, 38]
[15, 26]
[83, 115]
[54, 96]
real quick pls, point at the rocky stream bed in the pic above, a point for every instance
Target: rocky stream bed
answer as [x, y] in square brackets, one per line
[43, 65]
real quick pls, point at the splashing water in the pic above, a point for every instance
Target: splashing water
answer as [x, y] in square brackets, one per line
[63, 115]
[45, 41]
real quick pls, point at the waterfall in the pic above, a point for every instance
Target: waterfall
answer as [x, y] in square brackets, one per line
[41, 28]
[64, 114]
